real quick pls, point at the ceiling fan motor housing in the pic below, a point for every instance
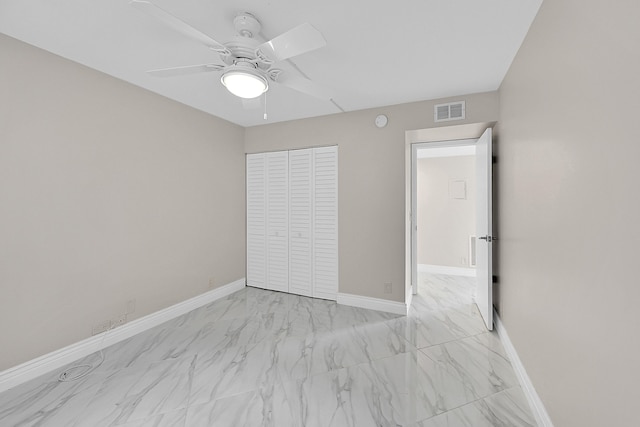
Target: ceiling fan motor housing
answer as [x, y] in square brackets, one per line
[247, 25]
[243, 49]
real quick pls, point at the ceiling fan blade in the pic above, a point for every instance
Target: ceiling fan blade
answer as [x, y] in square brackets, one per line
[178, 25]
[305, 86]
[189, 69]
[303, 38]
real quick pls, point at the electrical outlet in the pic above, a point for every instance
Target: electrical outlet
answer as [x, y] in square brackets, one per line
[101, 327]
[388, 287]
[463, 261]
[119, 321]
[131, 306]
[212, 283]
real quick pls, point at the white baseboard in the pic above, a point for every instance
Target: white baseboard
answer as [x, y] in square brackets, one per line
[537, 407]
[443, 269]
[61, 357]
[373, 303]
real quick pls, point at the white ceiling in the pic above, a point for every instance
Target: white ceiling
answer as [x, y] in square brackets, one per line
[378, 52]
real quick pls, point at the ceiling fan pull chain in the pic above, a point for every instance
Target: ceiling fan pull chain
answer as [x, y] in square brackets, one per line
[265, 105]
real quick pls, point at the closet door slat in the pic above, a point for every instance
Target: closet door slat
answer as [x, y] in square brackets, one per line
[277, 168]
[300, 222]
[256, 221]
[325, 222]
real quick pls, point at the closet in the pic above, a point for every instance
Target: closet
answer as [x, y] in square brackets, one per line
[292, 221]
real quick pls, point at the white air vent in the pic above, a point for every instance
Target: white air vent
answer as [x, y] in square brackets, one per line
[450, 111]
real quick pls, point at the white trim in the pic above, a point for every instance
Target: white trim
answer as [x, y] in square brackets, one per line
[409, 298]
[443, 269]
[537, 407]
[379, 304]
[451, 151]
[58, 358]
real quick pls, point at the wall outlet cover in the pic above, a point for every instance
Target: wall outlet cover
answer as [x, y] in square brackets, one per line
[119, 321]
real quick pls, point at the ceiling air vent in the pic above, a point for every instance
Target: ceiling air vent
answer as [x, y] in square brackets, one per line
[450, 111]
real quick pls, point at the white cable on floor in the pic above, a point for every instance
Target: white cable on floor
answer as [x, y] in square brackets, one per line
[76, 372]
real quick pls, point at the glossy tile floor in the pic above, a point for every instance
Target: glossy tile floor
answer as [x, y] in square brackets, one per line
[261, 358]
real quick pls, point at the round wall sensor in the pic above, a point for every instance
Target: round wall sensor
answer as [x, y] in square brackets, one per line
[381, 121]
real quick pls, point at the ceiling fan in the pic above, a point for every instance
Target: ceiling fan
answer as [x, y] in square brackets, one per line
[248, 63]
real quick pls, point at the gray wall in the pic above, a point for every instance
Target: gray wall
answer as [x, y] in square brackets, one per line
[445, 223]
[569, 209]
[107, 193]
[371, 182]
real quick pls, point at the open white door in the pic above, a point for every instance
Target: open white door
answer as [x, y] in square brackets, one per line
[484, 295]
[414, 219]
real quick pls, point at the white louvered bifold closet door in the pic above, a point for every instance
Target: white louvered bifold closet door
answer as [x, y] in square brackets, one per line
[256, 221]
[300, 222]
[277, 167]
[292, 221]
[325, 222]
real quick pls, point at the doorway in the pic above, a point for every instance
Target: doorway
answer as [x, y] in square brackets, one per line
[444, 205]
[467, 249]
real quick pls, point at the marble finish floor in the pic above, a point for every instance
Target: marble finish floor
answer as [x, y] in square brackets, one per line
[262, 358]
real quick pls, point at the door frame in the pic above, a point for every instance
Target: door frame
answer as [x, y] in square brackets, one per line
[440, 135]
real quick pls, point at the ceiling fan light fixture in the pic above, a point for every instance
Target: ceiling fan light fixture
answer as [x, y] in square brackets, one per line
[244, 84]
